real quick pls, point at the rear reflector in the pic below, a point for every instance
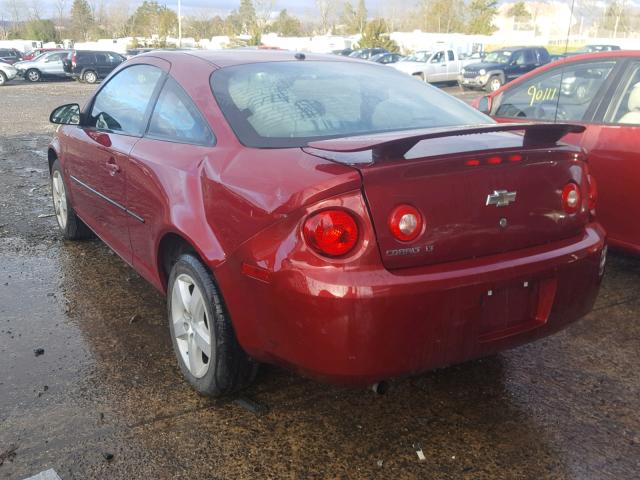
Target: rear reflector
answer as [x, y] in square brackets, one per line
[331, 232]
[571, 198]
[494, 160]
[405, 223]
[515, 158]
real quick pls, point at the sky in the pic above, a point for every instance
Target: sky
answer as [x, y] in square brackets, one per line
[298, 7]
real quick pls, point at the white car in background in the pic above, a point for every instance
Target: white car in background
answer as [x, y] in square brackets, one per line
[437, 66]
[7, 72]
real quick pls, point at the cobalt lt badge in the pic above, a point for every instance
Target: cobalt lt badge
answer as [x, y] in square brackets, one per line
[501, 198]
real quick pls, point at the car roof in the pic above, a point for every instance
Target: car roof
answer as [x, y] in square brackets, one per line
[230, 57]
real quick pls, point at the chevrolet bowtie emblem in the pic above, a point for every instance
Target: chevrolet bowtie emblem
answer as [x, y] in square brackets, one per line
[501, 198]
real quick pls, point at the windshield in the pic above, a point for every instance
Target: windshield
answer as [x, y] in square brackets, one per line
[417, 57]
[501, 56]
[288, 104]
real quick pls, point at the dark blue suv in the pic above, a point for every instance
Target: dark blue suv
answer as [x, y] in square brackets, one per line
[502, 66]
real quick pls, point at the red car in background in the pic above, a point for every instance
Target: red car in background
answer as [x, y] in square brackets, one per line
[602, 92]
[326, 214]
[38, 51]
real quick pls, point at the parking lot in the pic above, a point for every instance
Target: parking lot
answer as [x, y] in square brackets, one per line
[104, 397]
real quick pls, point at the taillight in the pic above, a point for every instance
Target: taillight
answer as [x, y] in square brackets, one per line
[331, 232]
[73, 59]
[593, 193]
[571, 198]
[405, 223]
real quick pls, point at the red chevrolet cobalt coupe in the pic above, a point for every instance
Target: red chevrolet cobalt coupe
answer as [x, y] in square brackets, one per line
[326, 214]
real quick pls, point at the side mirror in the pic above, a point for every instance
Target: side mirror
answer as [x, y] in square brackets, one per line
[484, 105]
[66, 115]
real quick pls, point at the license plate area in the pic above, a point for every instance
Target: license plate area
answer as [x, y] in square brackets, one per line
[516, 307]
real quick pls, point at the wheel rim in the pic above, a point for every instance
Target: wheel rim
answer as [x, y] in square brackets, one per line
[90, 77]
[34, 76]
[191, 326]
[495, 84]
[59, 199]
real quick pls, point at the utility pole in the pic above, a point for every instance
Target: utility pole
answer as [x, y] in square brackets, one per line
[179, 24]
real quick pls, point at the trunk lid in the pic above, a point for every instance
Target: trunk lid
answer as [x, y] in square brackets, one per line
[494, 192]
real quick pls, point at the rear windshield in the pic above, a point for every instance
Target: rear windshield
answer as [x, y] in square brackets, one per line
[288, 104]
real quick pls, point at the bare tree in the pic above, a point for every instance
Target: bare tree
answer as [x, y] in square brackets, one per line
[61, 11]
[326, 11]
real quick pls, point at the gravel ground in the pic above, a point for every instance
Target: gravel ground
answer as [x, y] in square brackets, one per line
[105, 398]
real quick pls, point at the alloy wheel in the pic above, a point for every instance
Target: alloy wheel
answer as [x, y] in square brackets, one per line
[59, 199]
[191, 325]
[33, 75]
[495, 84]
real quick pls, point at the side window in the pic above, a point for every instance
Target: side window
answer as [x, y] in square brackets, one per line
[627, 109]
[570, 89]
[529, 58]
[122, 103]
[176, 118]
[438, 58]
[451, 56]
[517, 58]
[101, 58]
[56, 57]
[114, 58]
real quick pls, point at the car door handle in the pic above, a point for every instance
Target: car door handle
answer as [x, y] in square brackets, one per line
[112, 166]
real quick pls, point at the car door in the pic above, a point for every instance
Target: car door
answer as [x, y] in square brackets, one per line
[96, 154]
[178, 139]
[101, 64]
[614, 158]
[51, 63]
[453, 67]
[437, 67]
[516, 65]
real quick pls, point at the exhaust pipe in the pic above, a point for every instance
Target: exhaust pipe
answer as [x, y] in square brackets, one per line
[380, 388]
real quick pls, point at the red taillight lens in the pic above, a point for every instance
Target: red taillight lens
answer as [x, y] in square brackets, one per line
[593, 193]
[331, 232]
[405, 223]
[73, 59]
[571, 198]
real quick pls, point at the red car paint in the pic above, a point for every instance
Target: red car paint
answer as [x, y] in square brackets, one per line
[613, 156]
[34, 53]
[371, 314]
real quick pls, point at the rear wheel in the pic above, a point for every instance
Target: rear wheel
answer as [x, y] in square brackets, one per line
[90, 77]
[204, 341]
[33, 75]
[70, 225]
[3, 78]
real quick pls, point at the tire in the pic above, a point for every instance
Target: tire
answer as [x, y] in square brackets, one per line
[90, 76]
[71, 226]
[195, 309]
[494, 83]
[3, 79]
[33, 75]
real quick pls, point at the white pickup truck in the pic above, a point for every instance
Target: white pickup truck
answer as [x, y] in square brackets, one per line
[436, 66]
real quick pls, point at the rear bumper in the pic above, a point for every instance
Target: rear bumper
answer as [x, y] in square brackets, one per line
[359, 327]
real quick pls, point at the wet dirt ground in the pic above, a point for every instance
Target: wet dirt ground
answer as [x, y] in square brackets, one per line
[108, 383]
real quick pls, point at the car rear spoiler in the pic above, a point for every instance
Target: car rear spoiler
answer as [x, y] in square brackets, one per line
[397, 144]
